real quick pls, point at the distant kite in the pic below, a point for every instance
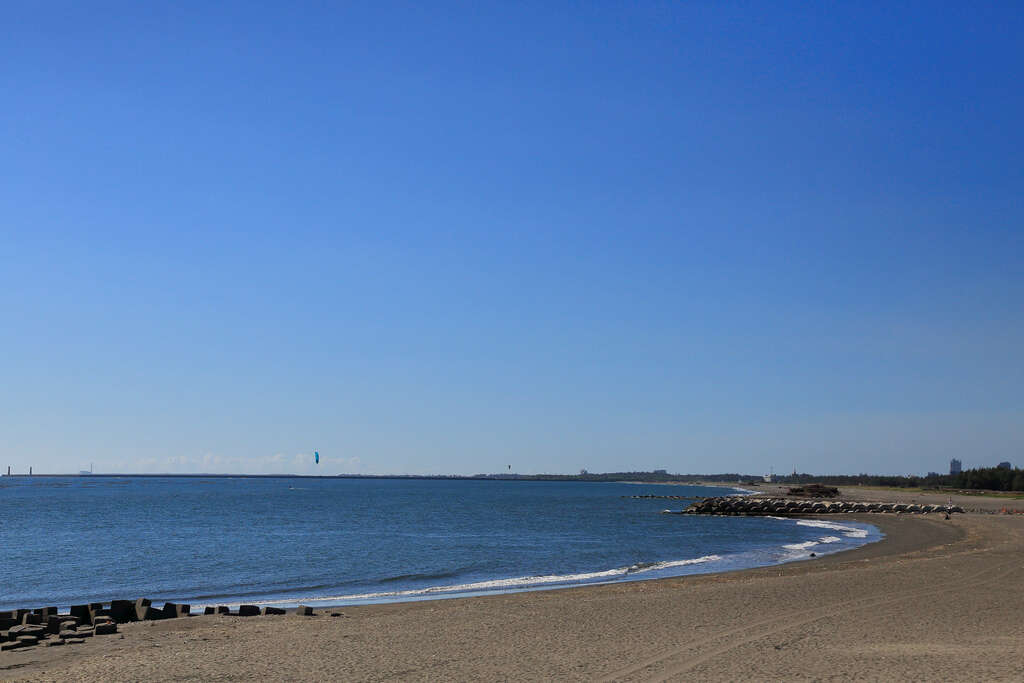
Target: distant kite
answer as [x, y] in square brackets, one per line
[316, 457]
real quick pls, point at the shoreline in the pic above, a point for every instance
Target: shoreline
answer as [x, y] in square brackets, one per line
[460, 591]
[652, 571]
[821, 559]
[934, 599]
[674, 558]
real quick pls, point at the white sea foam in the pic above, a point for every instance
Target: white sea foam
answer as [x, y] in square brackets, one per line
[741, 492]
[810, 544]
[800, 546]
[679, 563]
[848, 531]
[519, 582]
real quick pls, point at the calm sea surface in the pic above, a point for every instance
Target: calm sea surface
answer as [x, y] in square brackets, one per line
[283, 541]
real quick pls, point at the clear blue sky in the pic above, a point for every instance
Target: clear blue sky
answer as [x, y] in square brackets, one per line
[696, 236]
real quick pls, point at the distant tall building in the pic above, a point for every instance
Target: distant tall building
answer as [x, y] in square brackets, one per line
[954, 466]
[1005, 465]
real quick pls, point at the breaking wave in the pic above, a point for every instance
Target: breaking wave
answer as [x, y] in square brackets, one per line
[520, 582]
[848, 531]
[810, 544]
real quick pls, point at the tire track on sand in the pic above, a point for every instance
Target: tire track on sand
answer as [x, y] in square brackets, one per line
[649, 668]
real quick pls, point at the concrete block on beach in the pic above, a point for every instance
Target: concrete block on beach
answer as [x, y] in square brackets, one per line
[16, 632]
[151, 614]
[28, 641]
[46, 612]
[53, 623]
[173, 610]
[31, 618]
[82, 613]
[142, 609]
[248, 611]
[210, 610]
[11, 645]
[54, 642]
[105, 628]
[221, 609]
[123, 611]
[272, 610]
[304, 611]
[7, 622]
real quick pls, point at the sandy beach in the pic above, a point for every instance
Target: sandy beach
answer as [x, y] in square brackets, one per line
[935, 600]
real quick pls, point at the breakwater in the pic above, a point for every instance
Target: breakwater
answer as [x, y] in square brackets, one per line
[733, 505]
[21, 628]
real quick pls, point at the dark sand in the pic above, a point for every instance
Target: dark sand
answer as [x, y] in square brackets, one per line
[935, 600]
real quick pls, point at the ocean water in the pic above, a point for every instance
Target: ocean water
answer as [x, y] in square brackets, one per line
[337, 541]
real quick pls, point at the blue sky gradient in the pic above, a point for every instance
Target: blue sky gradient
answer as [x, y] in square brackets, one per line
[709, 237]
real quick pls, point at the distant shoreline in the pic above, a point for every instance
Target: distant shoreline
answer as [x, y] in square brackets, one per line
[447, 477]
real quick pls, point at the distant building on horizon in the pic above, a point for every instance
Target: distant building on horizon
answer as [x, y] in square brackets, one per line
[1005, 465]
[955, 466]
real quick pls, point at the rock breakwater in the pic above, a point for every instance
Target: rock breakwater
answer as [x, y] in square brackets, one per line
[732, 505]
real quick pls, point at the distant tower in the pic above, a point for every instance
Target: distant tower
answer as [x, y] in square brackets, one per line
[954, 466]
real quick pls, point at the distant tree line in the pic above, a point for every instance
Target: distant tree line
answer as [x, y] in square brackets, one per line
[993, 478]
[989, 478]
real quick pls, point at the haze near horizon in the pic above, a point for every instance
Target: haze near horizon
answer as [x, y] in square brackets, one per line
[699, 238]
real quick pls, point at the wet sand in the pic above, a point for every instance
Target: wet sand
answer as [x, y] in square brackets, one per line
[935, 600]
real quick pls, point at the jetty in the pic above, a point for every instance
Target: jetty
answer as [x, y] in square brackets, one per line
[782, 507]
